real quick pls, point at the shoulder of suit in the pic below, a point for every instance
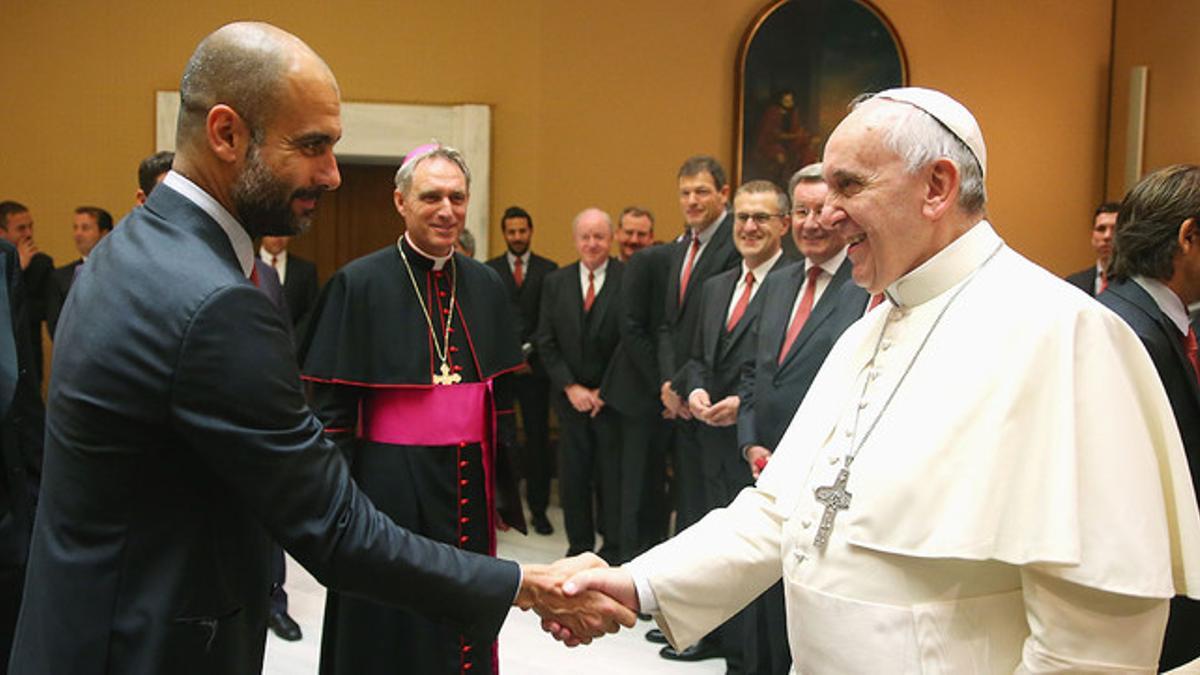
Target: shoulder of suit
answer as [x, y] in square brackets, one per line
[545, 262]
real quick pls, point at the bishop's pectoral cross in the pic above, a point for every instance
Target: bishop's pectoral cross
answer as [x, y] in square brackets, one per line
[835, 498]
[447, 377]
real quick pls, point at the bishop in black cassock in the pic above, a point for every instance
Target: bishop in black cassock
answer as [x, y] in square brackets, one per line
[423, 452]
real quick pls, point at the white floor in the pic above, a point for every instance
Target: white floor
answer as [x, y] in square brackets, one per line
[524, 648]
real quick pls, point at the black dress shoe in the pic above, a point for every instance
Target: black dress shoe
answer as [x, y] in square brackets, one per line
[705, 649]
[645, 617]
[541, 525]
[284, 626]
[656, 636]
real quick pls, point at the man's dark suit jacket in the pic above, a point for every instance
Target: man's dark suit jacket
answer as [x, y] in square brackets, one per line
[770, 392]
[1162, 340]
[36, 280]
[57, 288]
[300, 287]
[178, 439]
[528, 298]
[631, 382]
[680, 322]
[1085, 280]
[575, 347]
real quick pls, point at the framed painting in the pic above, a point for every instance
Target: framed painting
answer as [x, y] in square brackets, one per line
[800, 65]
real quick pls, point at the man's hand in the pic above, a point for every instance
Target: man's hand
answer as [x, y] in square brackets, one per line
[723, 413]
[673, 403]
[699, 403]
[581, 397]
[756, 457]
[597, 402]
[580, 617]
[613, 582]
[25, 251]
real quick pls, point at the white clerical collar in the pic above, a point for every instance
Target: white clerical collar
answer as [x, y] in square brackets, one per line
[1168, 303]
[243, 248]
[761, 271]
[438, 261]
[831, 264]
[946, 268]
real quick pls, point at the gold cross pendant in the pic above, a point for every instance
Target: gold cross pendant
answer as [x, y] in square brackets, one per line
[447, 377]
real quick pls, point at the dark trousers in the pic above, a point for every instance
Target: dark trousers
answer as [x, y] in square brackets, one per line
[12, 580]
[641, 439]
[587, 462]
[279, 573]
[532, 394]
[688, 487]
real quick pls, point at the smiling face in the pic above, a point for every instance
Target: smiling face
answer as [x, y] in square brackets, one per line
[816, 242]
[757, 241]
[634, 233]
[292, 164]
[435, 207]
[517, 233]
[875, 202]
[593, 237]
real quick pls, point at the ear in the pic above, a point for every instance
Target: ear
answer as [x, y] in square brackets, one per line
[398, 200]
[724, 192]
[1189, 236]
[941, 189]
[139, 197]
[227, 133]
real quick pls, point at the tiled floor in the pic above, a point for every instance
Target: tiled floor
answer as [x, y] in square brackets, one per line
[524, 648]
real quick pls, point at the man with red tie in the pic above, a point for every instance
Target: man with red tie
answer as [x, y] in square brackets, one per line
[578, 331]
[1155, 276]
[1094, 279]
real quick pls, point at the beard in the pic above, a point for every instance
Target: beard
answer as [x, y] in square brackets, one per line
[264, 201]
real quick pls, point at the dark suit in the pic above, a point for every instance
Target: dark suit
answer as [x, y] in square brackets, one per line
[178, 444]
[770, 393]
[576, 346]
[21, 428]
[680, 323]
[532, 390]
[1163, 341]
[36, 280]
[1085, 280]
[57, 288]
[630, 389]
[300, 288]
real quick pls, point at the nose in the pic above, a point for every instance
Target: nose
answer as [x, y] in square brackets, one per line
[831, 216]
[330, 176]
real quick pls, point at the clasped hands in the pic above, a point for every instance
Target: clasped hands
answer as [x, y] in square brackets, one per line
[723, 413]
[579, 598]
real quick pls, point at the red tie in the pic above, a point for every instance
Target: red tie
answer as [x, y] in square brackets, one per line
[740, 308]
[518, 272]
[687, 268]
[1189, 346]
[876, 300]
[802, 312]
[275, 263]
[254, 275]
[1103, 282]
[591, 292]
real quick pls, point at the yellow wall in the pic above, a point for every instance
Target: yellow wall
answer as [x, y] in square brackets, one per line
[1162, 35]
[593, 103]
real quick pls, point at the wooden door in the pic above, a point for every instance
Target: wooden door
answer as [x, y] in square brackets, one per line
[352, 221]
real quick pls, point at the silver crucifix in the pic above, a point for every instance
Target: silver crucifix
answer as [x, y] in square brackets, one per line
[447, 377]
[835, 498]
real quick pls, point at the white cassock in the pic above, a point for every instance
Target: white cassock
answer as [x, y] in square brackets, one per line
[1022, 504]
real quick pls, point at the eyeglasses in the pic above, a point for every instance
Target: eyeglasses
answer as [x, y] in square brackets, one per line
[759, 218]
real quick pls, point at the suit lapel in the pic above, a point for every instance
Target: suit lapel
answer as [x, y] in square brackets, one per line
[822, 310]
[1138, 297]
[8, 347]
[716, 316]
[612, 282]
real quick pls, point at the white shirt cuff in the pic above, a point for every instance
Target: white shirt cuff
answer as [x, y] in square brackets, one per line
[647, 602]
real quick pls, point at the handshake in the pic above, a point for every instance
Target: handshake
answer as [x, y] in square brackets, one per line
[579, 598]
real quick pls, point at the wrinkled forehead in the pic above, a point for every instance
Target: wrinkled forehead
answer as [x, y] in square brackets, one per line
[859, 138]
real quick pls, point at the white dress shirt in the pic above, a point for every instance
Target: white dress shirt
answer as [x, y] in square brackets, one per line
[243, 247]
[598, 278]
[280, 263]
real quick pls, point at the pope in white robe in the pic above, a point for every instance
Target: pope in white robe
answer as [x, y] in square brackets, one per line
[989, 456]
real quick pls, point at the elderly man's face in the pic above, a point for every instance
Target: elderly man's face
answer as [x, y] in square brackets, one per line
[874, 201]
[435, 207]
[593, 237]
[816, 242]
[634, 233]
[1102, 236]
[283, 176]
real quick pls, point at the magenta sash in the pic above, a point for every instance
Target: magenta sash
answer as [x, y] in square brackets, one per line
[453, 415]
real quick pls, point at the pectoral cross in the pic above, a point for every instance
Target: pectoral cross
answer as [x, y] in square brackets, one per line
[835, 498]
[447, 377]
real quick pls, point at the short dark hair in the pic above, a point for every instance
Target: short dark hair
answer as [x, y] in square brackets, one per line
[1147, 233]
[151, 168]
[516, 212]
[636, 212]
[769, 188]
[694, 166]
[10, 208]
[103, 218]
[1107, 207]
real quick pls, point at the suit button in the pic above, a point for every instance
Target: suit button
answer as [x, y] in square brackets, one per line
[462, 445]
[441, 294]
[453, 349]
[457, 368]
[466, 649]
[467, 666]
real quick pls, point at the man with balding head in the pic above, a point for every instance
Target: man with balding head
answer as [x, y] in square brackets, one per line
[179, 442]
[985, 475]
[578, 331]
